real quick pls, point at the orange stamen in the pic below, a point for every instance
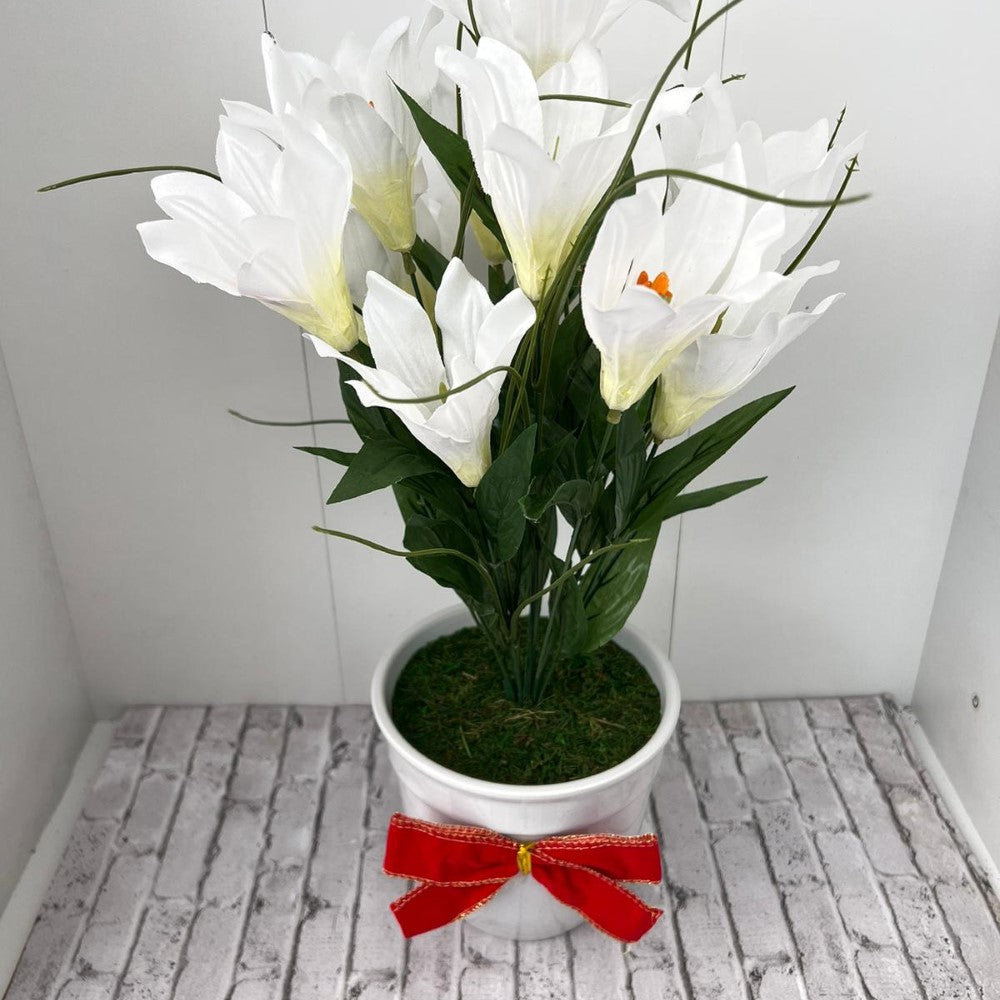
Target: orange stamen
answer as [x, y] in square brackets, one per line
[660, 284]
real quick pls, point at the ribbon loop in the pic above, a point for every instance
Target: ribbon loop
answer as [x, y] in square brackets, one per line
[462, 867]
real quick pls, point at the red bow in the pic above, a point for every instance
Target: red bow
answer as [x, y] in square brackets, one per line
[461, 867]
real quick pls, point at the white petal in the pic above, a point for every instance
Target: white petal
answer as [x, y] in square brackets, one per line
[401, 337]
[523, 182]
[247, 159]
[382, 169]
[210, 206]
[287, 74]
[497, 87]
[628, 231]
[186, 248]
[461, 310]
[702, 230]
[502, 332]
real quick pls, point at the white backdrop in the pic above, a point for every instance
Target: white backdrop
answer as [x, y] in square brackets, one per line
[182, 536]
[958, 688]
[44, 709]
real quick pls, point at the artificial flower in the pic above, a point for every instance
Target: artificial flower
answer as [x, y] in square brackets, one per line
[476, 336]
[354, 99]
[545, 169]
[546, 32]
[718, 365]
[272, 229]
[806, 165]
[656, 280]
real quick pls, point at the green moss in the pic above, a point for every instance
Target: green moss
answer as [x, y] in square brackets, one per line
[449, 704]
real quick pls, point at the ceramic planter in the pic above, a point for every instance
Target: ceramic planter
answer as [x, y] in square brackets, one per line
[613, 801]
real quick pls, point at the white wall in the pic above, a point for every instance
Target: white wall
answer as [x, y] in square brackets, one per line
[44, 711]
[962, 654]
[822, 580]
[183, 536]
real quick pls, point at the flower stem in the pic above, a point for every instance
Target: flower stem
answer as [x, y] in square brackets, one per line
[839, 200]
[123, 172]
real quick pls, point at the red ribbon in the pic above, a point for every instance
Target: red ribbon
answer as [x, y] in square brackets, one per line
[462, 867]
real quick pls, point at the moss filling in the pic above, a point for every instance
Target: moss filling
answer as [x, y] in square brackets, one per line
[449, 704]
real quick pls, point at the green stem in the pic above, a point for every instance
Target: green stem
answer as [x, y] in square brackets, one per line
[472, 21]
[649, 175]
[458, 90]
[839, 200]
[694, 31]
[417, 554]
[584, 98]
[285, 423]
[662, 82]
[563, 577]
[836, 129]
[123, 172]
[464, 214]
[438, 397]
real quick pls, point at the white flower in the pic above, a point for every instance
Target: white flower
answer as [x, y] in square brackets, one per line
[476, 336]
[355, 100]
[546, 32]
[719, 364]
[791, 164]
[655, 281]
[273, 229]
[545, 169]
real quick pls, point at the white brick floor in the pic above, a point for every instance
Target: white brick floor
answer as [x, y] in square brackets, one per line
[234, 854]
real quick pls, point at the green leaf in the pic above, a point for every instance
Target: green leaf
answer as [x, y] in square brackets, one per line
[455, 157]
[430, 260]
[453, 572]
[670, 472]
[368, 421]
[698, 499]
[382, 462]
[331, 454]
[621, 583]
[570, 618]
[630, 465]
[499, 494]
[574, 498]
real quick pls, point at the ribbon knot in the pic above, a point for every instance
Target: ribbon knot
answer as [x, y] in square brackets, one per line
[460, 868]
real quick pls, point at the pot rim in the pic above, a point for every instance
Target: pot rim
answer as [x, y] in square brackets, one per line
[651, 658]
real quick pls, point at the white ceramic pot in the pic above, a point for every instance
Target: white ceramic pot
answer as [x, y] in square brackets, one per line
[613, 801]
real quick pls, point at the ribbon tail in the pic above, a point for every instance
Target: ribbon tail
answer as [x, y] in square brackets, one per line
[431, 906]
[610, 908]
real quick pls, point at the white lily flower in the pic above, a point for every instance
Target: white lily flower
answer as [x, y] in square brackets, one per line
[794, 164]
[655, 280]
[546, 32]
[354, 99]
[272, 229]
[719, 364]
[476, 336]
[544, 169]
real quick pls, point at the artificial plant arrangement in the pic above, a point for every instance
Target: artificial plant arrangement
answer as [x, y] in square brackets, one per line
[527, 288]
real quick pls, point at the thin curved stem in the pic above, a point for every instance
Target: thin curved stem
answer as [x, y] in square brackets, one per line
[662, 82]
[649, 175]
[438, 397]
[585, 99]
[563, 577]
[285, 423]
[123, 172]
[416, 554]
[691, 38]
[836, 129]
[473, 23]
[839, 200]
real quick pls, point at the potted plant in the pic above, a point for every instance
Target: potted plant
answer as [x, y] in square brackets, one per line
[526, 288]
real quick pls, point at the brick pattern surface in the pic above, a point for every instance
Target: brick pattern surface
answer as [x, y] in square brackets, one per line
[234, 853]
